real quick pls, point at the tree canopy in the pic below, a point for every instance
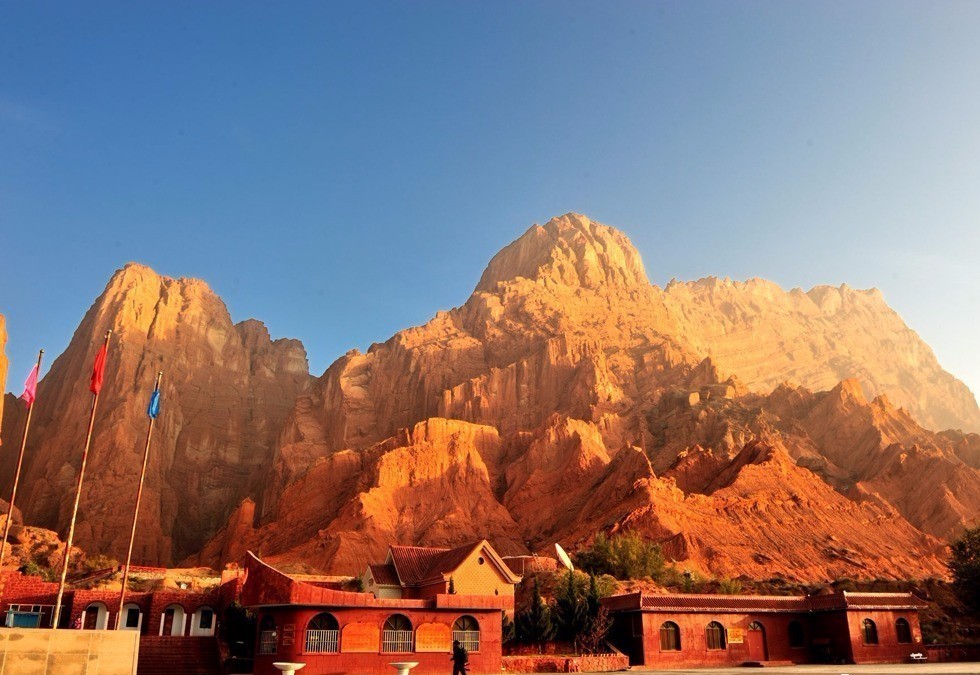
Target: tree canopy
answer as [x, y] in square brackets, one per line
[964, 565]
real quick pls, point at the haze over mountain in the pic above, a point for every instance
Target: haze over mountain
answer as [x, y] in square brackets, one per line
[750, 429]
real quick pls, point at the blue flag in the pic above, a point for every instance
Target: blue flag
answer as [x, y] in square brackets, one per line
[154, 408]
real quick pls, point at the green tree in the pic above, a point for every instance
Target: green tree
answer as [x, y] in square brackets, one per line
[507, 630]
[534, 624]
[571, 610]
[964, 565]
[452, 587]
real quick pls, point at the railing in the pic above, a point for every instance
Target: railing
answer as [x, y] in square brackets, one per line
[31, 616]
[396, 641]
[468, 639]
[267, 642]
[322, 641]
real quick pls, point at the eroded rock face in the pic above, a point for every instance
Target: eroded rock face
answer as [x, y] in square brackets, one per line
[567, 396]
[226, 390]
[571, 396]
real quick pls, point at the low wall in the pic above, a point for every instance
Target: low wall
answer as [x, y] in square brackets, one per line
[42, 651]
[950, 653]
[556, 663]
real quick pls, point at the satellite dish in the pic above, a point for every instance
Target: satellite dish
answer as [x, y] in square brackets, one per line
[563, 557]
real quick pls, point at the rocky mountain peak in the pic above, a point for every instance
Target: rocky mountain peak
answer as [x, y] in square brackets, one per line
[226, 388]
[570, 250]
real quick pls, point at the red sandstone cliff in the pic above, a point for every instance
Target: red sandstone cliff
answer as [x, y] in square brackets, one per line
[566, 396]
[226, 391]
[615, 404]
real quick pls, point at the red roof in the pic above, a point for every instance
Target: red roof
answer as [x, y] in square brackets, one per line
[422, 565]
[418, 565]
[384, 575]
[763, 603]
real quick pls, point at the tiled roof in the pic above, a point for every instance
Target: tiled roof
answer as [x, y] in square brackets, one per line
[882, 600]
[764, 603]
[384, 575]
[420, 564]
[770, 603]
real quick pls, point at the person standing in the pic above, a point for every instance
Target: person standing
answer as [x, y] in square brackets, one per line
[460, 657]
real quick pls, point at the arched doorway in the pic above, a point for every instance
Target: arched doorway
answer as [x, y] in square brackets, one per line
[755, 638]
[95, 617]
[132, 617]
[172, 621]
[202, 622]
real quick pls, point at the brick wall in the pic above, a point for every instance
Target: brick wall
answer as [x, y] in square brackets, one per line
[592, 663]
[17, 588]
[833, 636]
[291, 623]
[950, 653]
[888, 649]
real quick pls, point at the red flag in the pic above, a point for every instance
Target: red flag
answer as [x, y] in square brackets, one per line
[30, 387]
[98, 371]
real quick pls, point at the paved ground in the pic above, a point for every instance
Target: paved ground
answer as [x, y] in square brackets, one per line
[889, 669]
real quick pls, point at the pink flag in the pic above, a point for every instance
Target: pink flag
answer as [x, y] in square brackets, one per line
[30, 387]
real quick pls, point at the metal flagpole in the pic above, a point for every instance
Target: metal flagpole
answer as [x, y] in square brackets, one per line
[20, 462]
[136, 509]
[78, 494]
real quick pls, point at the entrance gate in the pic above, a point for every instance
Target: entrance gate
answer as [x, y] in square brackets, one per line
[755, 639]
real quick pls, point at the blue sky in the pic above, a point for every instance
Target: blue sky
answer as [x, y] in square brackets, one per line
[342, 171]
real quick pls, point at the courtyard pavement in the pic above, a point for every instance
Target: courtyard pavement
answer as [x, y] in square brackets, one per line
[884, 669]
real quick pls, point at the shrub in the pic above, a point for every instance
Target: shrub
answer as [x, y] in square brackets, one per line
[623, 556]
[730, 586]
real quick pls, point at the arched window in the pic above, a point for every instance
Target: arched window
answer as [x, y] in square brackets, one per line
[322, 634]
[670, 637]
[714, 635]
[397, 634]
[797, 638]
[903, 631]
[202, 622]
[466, 629]
[870, 632]
[132, 618]
[173, 620]
[268, 635]
[96, 617]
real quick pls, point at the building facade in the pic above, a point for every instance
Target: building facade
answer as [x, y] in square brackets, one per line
[722, 630]
[28, 602]
[334, 631]
[425, 572]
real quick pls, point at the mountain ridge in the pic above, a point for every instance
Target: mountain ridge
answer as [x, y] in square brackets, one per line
[662, 407]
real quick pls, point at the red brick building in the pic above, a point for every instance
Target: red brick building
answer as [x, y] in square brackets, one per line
[669, 631]
[334, 631]
[28, 601]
